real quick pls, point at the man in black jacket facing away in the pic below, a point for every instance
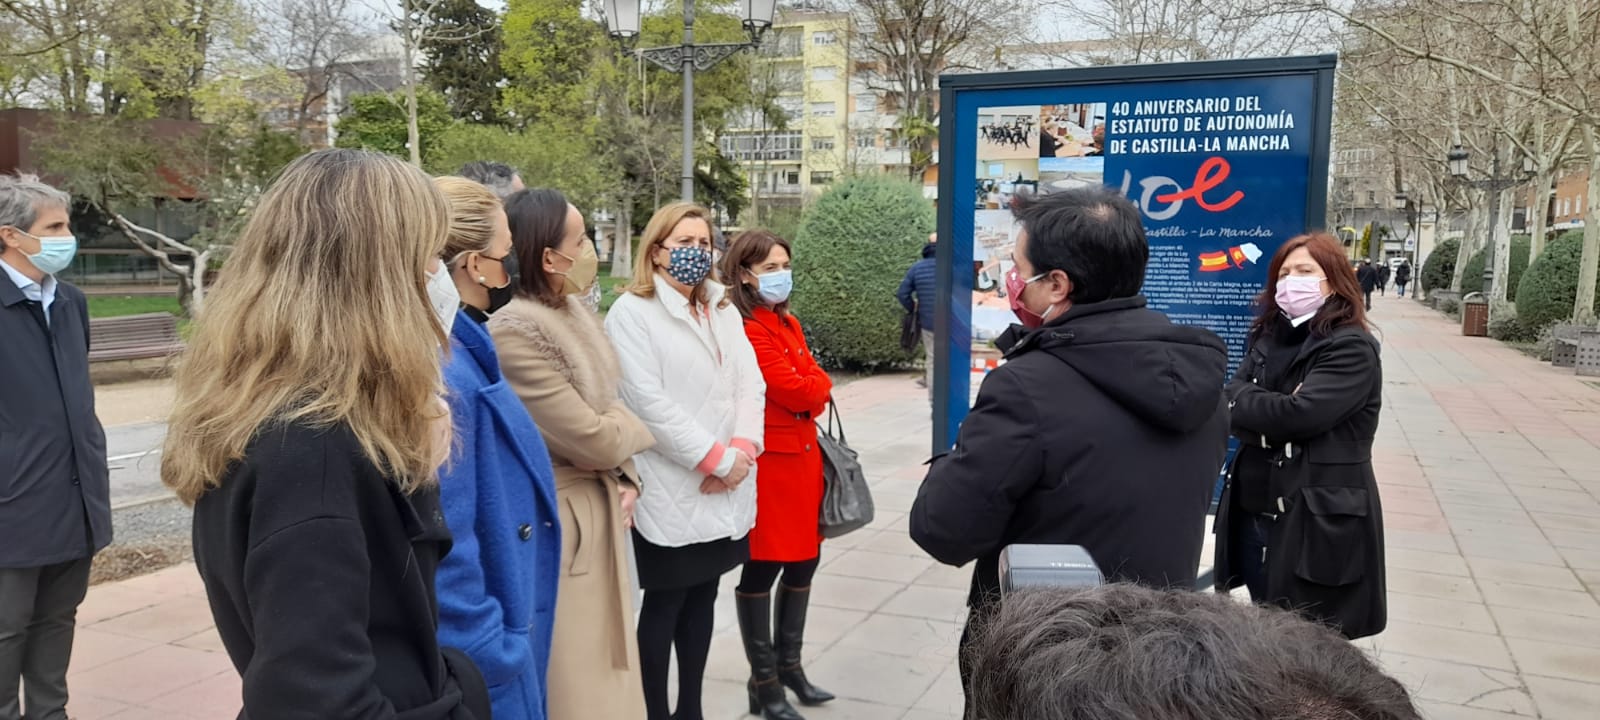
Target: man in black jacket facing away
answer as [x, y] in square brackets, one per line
[1106, 426]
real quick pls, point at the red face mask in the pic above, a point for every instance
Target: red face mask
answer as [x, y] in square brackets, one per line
[1015, 284]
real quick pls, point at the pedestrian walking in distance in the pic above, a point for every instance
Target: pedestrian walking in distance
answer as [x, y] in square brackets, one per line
[1368, 279]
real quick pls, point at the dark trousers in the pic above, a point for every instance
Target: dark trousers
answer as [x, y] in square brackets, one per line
[1368, 295]
[976, 616]
[759, 575]
[680, 618]
[38, 612]
[1248, 545]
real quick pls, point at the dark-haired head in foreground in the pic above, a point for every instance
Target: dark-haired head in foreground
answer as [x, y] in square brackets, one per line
[1125, 652]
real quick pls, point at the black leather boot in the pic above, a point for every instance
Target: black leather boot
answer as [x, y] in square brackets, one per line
[755, 627]
[792, 604]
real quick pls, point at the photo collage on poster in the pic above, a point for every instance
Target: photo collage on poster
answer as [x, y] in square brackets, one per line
[1024, 150]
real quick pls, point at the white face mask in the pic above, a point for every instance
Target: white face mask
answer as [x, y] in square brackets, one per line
[444, 297]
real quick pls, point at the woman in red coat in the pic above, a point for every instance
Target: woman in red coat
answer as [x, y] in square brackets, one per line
[787, 537]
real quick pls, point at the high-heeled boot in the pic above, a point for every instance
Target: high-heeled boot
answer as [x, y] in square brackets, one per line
[755, 627]
[792, 604]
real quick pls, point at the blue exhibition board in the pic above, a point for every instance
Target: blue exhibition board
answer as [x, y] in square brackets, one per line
[1226, 160]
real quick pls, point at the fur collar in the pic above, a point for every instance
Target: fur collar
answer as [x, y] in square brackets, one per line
[575, 342]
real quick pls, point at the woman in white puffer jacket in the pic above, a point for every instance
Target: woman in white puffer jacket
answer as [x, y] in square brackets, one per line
[689, 373]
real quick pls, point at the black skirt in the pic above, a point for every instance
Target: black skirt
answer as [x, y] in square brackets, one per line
[675, 568]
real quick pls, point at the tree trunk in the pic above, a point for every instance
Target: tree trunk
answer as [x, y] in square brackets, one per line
[1469, 242]
[197, 299]
[622, 240]
[1539, 212]
[1501, 234]
[1583, 305]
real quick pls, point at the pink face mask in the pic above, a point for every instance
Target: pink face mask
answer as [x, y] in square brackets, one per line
[1300, 295]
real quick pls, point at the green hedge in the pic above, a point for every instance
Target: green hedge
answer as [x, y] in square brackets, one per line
[1550, 285]
[1440, 266]
[851, 250]
[1472, 277]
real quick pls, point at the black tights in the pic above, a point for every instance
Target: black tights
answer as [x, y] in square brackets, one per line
[681, 618]
[759, 575]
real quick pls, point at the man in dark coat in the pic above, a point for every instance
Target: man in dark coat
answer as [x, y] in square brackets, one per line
[1402, 277]
[1106, 426]
[1383, 279]
[1369, 279]
[55, 509]
[916, 296]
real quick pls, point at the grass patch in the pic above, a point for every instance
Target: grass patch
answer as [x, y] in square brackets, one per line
[104, 306]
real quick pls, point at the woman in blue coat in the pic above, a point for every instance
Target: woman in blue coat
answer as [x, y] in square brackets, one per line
[497, 586]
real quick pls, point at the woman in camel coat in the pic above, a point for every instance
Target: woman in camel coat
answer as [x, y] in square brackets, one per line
[554, 353]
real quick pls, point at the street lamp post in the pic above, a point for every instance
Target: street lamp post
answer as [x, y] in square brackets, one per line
[622, 21]
[1457, 161]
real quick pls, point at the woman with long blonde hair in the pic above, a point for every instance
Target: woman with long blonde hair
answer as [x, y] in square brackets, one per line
[689, 373]
[307, 428]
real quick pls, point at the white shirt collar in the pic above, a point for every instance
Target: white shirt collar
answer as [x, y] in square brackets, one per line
[676, 303]
[1303, 319]
[37, 292]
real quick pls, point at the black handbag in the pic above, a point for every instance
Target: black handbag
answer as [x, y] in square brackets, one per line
[846, 500]
[910, 331]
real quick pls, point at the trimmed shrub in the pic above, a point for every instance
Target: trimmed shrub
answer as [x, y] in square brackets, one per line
[853, 247]
[1440, 266]
[1550, 285]
[1506, 325]
[1472, 277]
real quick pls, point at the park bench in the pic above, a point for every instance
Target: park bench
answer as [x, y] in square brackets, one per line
[1587, 362]
[134, 337]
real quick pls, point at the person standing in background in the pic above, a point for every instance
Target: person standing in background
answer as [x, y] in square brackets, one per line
[786, 539]
[1383, 279]
[689, 373]
[497, 586]
[55, 509]
[916, 295]
[555, 354]
[500, 178]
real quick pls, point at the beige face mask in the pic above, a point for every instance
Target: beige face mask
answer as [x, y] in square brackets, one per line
[585, 267]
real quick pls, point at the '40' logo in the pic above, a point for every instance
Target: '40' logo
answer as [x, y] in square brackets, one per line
[1212, 173]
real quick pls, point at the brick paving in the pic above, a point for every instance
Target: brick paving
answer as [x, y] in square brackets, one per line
[1490, 470]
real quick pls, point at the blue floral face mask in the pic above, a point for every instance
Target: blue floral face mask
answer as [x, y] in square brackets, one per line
[689, 265]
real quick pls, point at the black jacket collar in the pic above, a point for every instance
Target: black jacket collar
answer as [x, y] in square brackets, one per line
[1018, 339]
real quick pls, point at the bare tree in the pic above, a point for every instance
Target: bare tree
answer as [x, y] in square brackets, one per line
[1147, 31]
[413, 23]
[902, 46]
[1539, 53]
[315, 40]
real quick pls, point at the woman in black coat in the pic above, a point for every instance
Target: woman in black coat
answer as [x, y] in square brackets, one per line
[1300, 522]
[306, 433]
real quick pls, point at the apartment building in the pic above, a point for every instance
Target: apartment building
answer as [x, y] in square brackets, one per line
[803, 65]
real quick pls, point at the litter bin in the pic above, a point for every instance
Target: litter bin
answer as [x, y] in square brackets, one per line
[1475, 315]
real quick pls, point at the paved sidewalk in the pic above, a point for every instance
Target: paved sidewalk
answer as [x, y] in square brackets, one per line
[1490, 467]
